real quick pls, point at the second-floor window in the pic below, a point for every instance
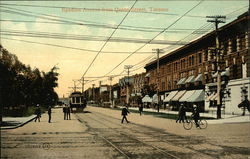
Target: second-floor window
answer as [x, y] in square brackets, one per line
[200, 57]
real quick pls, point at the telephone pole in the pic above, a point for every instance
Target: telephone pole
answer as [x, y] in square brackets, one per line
[110, 91]
[75, 87]
[216, 20]
[158, 51]
[127, 96]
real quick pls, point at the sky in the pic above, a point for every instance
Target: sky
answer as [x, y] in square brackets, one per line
[27, 28]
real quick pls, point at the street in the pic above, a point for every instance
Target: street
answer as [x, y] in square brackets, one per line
[98, 133]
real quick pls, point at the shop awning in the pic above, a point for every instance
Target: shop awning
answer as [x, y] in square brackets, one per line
[186, 96]
[138, 94]
[215, 74]
[190, 79]
[197, 96]
[181, 81]
[146, 99]
[147, 75]
[155, 98]
[226, 72]
[214, 97]
[170, 96]
[210, 96]
[178, 95]
[198, 78]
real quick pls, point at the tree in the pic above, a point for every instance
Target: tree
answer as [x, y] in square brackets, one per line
[20, 85]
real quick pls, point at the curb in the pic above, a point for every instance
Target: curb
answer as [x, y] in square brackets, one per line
[17, 126]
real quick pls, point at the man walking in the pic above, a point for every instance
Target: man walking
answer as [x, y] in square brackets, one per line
[49, 113]
[64, 112]
[124, 114]
[68, 113]
[38, 113]
[245, 104]
[180, 114]
[140, 104]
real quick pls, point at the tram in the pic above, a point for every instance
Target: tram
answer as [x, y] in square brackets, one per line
[77, 102]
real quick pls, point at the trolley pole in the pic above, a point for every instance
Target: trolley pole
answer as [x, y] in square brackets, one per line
[127, 96]
[216, 20]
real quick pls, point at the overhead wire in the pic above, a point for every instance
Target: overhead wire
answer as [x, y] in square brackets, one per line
[77, 22]
[154, 37]
[109, 38]
[82, 37]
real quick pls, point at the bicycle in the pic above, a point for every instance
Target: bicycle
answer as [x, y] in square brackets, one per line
[189, 124]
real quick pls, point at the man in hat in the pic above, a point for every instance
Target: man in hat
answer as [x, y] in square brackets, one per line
[196, 116]
[38, 113]
[124, 114]
[49, 113]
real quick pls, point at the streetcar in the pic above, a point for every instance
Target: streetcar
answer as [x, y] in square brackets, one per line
[77, 102]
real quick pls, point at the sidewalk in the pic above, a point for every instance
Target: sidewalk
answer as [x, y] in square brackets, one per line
[226, 119]
[58, 124]
[15, 122]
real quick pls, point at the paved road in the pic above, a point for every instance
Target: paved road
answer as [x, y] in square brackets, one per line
[98, 133]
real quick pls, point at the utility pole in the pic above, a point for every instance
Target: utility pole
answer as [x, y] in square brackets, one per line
[83, 86]
[127, 99]
[216, 20]
[158, 51]
[75, 87]
[110, 91]
[93, 93]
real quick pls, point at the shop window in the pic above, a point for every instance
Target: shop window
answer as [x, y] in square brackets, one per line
[234, 71]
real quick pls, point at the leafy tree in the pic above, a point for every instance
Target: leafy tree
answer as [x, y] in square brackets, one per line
[20, 85]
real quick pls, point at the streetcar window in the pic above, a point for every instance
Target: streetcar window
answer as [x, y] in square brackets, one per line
[77, 99]
[73, 100]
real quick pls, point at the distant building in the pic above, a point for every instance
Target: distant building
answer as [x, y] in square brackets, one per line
[125, 83]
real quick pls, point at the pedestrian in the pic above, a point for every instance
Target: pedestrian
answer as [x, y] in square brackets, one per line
[245, 104]
[140, 104]
[68, 113]
[49, 113]
[141, 109]
[196, 116]
[38, 113]
[184, 117]
[64, 111]
[180, 114]
[124, 114]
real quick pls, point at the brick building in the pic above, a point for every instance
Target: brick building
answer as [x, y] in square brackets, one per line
[189, 73]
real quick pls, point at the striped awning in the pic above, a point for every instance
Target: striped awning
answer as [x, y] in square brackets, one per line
[190, 79]
[181, 81]
[170, 96]
[186, 96]
[197, 96]
[178, 95]
[198, 78]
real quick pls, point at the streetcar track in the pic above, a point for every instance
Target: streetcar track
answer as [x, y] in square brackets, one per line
[161, 137]
[166, 154]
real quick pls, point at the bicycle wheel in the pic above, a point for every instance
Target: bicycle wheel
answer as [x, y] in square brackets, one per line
[188, 125]
[203, 124]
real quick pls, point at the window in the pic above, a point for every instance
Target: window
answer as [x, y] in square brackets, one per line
[192, 60]
[163, 85]
[200, 58]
